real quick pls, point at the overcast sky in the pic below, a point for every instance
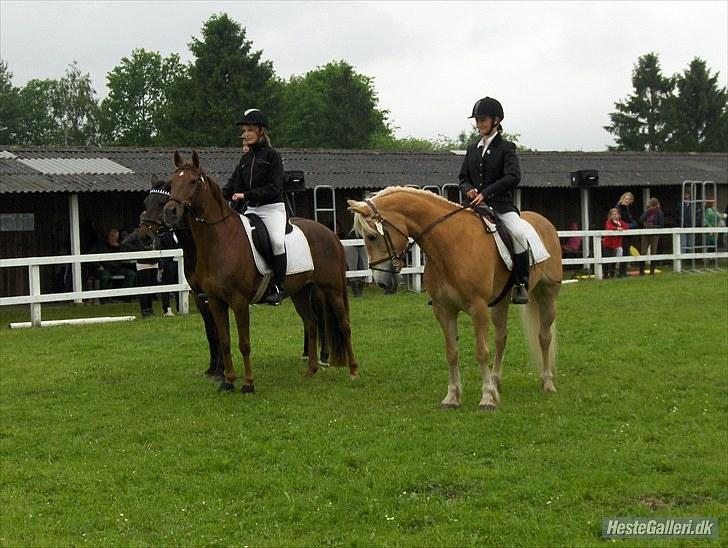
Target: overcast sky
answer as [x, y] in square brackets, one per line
[557, 67]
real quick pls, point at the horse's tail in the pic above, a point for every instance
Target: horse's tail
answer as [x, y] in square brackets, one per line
[337, 321]
[543, 360]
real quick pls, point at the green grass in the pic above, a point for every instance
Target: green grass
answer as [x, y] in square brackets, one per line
[109, 435]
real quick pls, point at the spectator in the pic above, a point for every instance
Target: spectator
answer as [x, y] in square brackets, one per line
[711, 218]
[653, 217]
[572, 245]
[626, 200]
[168, 271]
[148, 273]
[613, 245]
[103, 271]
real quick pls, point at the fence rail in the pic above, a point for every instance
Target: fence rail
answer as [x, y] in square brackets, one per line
[592, 240]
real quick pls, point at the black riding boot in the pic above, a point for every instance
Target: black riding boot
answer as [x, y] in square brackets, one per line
[520, 271]
[277, 289]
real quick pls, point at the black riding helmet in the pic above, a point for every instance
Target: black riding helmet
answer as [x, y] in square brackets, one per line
[487, 106]
[254, 117]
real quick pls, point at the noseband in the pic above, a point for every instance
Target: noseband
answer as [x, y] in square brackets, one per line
[398, 259]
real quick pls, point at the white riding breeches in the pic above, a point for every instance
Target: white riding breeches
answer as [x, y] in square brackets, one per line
[515, 226]
[274, 218]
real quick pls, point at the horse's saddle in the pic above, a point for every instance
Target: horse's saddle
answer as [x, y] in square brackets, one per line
[298, 253]
[504, 242]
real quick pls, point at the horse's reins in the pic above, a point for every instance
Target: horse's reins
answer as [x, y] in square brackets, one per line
[190, 208]
[397, 259]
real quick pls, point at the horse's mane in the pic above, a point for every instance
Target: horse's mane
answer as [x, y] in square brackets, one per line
[362, 227]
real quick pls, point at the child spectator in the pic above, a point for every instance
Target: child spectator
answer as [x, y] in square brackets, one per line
[613, 244]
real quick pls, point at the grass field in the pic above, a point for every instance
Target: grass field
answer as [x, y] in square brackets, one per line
[109, 435]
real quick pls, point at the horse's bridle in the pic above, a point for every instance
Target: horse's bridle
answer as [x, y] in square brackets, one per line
[189, 207]
[398, 259]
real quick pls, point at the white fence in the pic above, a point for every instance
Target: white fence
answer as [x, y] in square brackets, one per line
[710, 255]
[36, 297]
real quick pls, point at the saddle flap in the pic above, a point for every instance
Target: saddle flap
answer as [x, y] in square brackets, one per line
[298, 252]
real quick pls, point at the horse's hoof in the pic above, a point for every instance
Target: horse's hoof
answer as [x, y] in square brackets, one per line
[248, 389]
[226, 387]
[450, 406]
[487, 407]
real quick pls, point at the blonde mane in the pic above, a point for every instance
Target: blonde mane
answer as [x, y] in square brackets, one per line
[363, 228]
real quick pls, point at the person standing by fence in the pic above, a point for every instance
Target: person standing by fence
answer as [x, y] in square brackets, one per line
[626, 200]
[653, 217]
[613, 245]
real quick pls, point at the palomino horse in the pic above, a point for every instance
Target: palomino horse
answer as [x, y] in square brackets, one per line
[151, 226]
[464, 272]
[226, 272]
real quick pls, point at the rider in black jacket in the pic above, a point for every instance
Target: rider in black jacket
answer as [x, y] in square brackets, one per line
[489, 173]
[258, 181]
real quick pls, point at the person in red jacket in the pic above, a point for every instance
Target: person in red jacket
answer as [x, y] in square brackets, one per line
[613, 244]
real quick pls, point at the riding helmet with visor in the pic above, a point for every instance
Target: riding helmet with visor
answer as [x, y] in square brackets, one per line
[487, 106]
[254, 117]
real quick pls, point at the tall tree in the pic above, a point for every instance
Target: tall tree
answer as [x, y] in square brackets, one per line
[76, 107]
[332, 107]
[226, 78]
[11, 113]
[639, 122]
[698, 116]
[138, 88]
[40, 125]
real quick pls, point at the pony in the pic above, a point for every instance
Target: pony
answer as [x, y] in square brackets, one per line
[151, 227]
[463, 273]
[226, 272]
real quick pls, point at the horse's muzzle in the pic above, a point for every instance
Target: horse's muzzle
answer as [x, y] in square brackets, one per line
[172, 214]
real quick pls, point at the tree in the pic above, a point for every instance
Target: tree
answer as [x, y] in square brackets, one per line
[226, 78]
[138, 87]
[11, 114]
[639, 123]
[76, 107]
[40, 126]
[698, 117]
[332, 107]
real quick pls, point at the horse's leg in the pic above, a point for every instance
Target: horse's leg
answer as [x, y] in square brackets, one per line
[449, 324]
[546, 300]
[301, 302]
[216, 367]
[499, 313]
[242, 320]
[219, 311]
[479, 314]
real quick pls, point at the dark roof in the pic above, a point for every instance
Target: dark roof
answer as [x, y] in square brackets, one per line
[351, 168]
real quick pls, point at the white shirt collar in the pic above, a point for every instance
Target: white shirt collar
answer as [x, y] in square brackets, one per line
[485, 143]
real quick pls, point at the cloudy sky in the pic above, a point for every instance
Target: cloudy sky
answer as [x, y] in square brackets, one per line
[557, 67]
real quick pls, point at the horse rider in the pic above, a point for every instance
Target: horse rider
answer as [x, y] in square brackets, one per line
[258, 181]
[489, 173]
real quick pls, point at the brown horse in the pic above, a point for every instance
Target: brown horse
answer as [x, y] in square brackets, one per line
[151, 229]
[464, 272]
[225, 270]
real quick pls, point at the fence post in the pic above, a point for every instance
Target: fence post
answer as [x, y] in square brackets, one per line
[598, 257]
[676, 250]
[183, 301]
[417, 263]
[34, 281]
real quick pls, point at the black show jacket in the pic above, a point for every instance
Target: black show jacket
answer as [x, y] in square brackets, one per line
[259, 174]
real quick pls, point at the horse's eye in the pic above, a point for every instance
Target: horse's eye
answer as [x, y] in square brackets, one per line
[371, 237]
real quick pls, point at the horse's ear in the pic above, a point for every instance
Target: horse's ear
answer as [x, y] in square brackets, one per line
[195, 159]
[359, 207]
[177, 160]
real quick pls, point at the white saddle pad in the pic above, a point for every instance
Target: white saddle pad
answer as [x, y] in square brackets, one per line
[537, 254]
[298, 254]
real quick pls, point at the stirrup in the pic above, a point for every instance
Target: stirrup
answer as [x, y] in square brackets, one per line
[519, 295]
